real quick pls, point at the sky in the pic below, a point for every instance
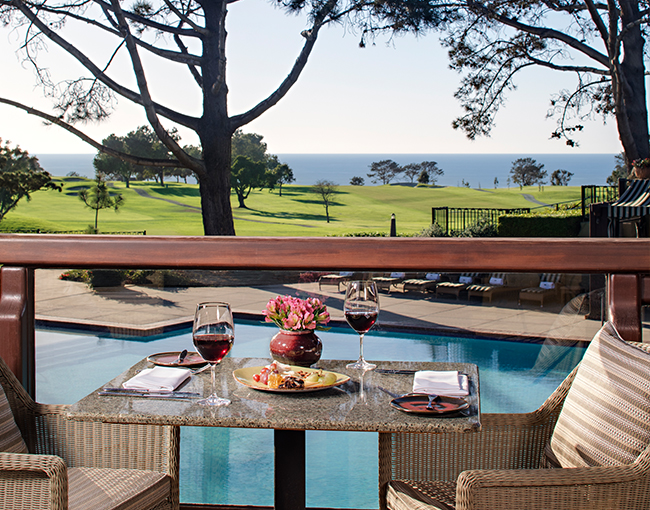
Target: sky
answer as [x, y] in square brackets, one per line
[390, 97]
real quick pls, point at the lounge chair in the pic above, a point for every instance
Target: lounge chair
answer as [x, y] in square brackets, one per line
[496, 284]
[47, 461]
[386, 282]
[586, 448]
[549, 287]
[455, 288]
[335, 279]
[426, 284]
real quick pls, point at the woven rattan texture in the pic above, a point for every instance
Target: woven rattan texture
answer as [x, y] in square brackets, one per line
[40, 479]
[501, 466]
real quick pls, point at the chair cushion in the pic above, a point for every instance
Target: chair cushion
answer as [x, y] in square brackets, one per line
[420, 495]
[11, 440]
[115, 489]
[605, 420]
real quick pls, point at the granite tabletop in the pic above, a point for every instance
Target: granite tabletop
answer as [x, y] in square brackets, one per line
[360, 404]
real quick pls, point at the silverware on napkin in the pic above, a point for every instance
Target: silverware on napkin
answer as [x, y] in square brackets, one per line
[394, 371]
[170, 395]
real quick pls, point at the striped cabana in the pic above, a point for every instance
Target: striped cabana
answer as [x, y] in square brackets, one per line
[633, 204]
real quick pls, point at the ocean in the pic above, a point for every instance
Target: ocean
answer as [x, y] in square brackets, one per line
[479, 170]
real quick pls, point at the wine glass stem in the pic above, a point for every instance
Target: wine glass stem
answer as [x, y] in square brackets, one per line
[361, 346]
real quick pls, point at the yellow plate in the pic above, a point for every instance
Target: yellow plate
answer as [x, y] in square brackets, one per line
[245, 376]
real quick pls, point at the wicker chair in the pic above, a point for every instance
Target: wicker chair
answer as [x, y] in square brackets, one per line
[508, 464]
[79, 465]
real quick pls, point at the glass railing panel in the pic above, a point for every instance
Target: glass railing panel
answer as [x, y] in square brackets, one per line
[89, 331]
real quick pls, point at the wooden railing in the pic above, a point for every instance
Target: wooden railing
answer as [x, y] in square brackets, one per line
[625, 261]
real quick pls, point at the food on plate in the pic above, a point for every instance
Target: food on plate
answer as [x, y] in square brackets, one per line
[280, 376]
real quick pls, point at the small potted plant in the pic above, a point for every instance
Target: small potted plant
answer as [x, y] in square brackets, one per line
[642, 168]
[296, 343]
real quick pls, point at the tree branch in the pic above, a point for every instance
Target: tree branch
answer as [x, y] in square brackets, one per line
[598, 21]
[542, 32]
[577, 69]
[192, 68]
[184, 120]
[149, 23]
[310, 35]
[107, 150]
[148, 104]
[185, 19]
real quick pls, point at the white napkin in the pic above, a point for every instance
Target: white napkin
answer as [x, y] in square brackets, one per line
[449, 383]
[157, 378]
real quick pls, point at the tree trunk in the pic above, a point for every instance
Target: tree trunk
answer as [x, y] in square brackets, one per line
[240, 199]
[214, 187]
[633, 93]
[215, 131]
[327, 212]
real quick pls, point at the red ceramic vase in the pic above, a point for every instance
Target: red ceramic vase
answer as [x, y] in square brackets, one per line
[302, 348]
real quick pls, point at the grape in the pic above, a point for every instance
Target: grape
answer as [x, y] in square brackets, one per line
[328, 378]
[312, 378]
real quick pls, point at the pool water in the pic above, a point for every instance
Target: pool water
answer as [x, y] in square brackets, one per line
[235, 466]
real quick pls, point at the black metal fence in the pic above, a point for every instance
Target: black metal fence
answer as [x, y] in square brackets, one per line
[459, 218]
[593, 194]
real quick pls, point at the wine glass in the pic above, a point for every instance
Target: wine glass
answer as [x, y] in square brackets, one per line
[213, 334]
[361, 309]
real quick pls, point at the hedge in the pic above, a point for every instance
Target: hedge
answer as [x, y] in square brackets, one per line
[552, 224]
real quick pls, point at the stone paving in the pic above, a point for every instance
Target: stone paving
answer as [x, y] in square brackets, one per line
[139, 310]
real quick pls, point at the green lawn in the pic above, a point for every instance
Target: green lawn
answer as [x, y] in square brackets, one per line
[298, 212]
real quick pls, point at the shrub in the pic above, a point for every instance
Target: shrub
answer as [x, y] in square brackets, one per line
[564, 223]
[433, 230]
[76, 275]
[364, 234]
[482, 228]
[309, 277]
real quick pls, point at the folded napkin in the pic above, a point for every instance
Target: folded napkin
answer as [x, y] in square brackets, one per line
[158, 378]
[449, 383]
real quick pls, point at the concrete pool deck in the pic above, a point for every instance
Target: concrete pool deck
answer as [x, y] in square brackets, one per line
[141, 310]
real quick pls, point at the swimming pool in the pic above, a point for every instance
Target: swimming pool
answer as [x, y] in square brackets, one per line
[219, 465]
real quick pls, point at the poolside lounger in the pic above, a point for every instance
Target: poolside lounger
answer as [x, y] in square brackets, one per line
[426, 284]
[549, 287]
[335, 279]
[455, 288]
[386, 282]
[495, 285]
[48, 461]
[586, 448]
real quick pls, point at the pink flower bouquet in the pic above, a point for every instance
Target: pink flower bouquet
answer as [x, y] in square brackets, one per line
[295, 314]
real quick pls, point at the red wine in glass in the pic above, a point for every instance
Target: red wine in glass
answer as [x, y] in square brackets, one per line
[361, 322]
[213, 346]
[213, 334]
[361, 308]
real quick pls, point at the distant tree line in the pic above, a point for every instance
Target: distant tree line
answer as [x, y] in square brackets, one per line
[528, 172]
[386, 170]
[252, 166]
